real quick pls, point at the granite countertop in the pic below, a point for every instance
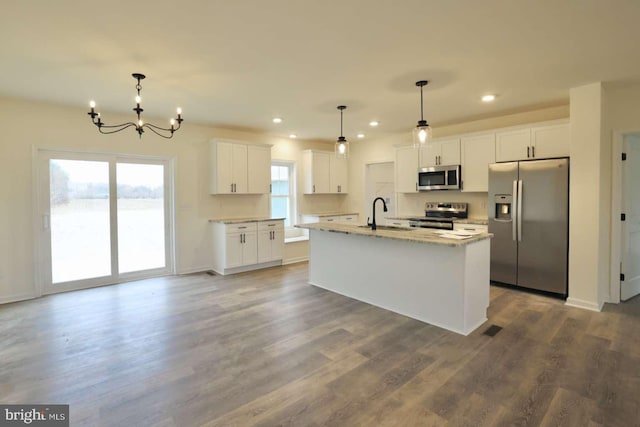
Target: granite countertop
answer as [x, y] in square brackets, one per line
[476, 221]
[239, 220]
[321, 215]
[420, 235]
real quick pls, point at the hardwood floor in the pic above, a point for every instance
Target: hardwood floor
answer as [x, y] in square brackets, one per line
[264, 348]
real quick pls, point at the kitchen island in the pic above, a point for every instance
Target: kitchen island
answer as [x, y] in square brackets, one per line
[419, 273]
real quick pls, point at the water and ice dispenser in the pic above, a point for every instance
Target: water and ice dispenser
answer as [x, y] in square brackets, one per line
[503, 207]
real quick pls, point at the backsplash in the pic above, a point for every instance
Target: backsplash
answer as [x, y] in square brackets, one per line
[413, 203]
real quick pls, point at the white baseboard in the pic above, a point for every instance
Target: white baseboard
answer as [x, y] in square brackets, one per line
[194, 270]
[295, 260]
[587, 305]
[16, 298]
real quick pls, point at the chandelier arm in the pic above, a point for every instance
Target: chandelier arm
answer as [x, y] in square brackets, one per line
[151, 128]
[120, 127]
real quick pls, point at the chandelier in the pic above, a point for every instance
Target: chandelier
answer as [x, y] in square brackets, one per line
[139, 125]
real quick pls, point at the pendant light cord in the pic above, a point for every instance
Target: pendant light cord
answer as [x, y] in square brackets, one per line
[421, 104]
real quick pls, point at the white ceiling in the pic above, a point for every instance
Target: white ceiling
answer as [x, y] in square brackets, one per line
[238, 63]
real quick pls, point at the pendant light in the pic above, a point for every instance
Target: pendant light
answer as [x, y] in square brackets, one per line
[342, 145]
[422, 132]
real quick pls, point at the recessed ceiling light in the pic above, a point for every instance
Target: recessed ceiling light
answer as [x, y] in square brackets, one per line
[293, 136]
[360, 135]
[277, 120]
[374, 123]
[488, 98]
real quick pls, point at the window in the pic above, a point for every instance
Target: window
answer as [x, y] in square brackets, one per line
[283, 203]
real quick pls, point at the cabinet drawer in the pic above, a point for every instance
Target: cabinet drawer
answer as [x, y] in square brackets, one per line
[242, 227]
[270, 225]
[471, 227]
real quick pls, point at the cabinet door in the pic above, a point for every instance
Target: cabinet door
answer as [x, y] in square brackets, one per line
[407, 170]
[478, 152]
[239, 167]
[429, 154]
[250, 248]
[513, 145]
[264, 246]
[320, 172]
[259, 169]
[551, 141]
[449, 152]
[337, 174]
[224, 167]
[233, 250]
[277, 244]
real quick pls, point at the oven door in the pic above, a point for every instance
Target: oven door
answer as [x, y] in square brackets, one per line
[442, 224]
[439, 178]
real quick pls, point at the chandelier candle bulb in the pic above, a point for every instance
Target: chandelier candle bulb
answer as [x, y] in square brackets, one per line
[138, 99]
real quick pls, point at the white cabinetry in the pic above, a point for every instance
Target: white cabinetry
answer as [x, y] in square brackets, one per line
[404, 223]
[407, 170]
[336, 219]
[246, 246]
[457, 226]
[539, 142]
[551, 141]
[440, 152]
[478, 152]
[270, 241]
[324, 173]
[239, 168]
[337, 175]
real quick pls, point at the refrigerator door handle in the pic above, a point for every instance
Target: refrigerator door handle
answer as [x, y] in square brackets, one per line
[514, 215]
[519, 210]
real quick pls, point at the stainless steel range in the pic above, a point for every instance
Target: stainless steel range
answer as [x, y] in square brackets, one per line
[440, 215]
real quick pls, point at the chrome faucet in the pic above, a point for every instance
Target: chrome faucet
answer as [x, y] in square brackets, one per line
[384, 207]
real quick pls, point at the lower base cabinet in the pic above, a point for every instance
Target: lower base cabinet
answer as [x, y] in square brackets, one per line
[247, 246]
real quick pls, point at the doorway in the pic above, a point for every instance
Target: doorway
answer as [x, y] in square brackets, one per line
[630, 227]
[102, 219]
[380, 182]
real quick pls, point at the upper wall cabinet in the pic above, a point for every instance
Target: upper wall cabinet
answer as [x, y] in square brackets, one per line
[539, 142]
[440, 152]
[324, 173]
[240, 168]
[478, 152]
[407, 169]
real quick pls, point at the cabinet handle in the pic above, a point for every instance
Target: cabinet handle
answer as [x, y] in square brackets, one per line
[270, 188]
[240, 238]
[416, 186]
[231, 190]
[528, 151]
[242, 228]
[271, 225]
[314, 188]
[533, 151]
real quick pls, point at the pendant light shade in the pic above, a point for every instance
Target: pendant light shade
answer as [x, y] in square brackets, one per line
[342, 145]
[422, 132]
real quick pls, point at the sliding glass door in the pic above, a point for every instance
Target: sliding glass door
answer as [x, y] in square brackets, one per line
[102, 219]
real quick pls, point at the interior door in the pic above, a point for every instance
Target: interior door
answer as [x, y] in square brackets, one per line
[630, 287]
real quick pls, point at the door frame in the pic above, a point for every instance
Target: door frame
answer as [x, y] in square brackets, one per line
[616, 211]
[40, 277]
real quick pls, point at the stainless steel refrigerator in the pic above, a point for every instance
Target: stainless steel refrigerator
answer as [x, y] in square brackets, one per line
[529, 217]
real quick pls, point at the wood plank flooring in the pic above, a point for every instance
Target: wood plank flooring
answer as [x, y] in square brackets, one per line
[264, 349]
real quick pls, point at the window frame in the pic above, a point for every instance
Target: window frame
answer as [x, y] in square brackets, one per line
[290, 231]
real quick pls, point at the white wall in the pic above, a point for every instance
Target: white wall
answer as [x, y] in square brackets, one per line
[27, 124]
[587, 247]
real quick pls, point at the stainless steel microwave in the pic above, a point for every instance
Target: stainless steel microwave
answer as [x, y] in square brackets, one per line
[439, 178]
